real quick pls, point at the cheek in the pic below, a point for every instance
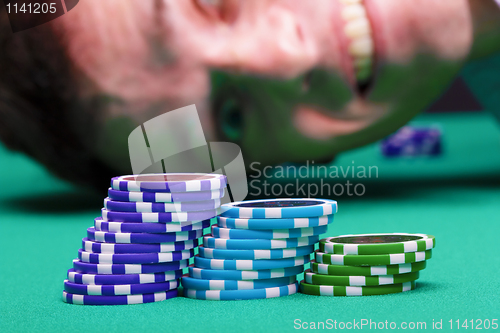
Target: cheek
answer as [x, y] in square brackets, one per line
[130, 56]
[405, 28]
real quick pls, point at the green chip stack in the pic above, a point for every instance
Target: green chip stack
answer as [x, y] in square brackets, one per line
[367, 264]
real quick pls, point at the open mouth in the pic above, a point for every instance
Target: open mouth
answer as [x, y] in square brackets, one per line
[361, 46]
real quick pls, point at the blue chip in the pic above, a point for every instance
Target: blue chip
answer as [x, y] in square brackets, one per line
[249, 265]
[257, 244]
[226, 233]
[265, 224]
[264, 274]
[199, 284]
[229, 295]
[279, 208]
[255, 254]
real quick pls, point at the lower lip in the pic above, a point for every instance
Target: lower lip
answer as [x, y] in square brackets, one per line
[312, 123]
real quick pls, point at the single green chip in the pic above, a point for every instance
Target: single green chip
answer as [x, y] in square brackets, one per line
[322, 290]
[367, 270]
[371, 260]
[368, 244]
[355, 280]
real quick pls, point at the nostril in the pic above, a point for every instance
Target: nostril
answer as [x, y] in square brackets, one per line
[219, 10]
[209, 8]
[230, 10]
[300, 33]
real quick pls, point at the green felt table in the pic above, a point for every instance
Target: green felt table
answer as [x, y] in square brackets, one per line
[455, 197]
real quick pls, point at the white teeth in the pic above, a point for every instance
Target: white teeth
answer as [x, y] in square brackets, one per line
[358, 30]
[353, 12]
[361, 47]
[350, 2]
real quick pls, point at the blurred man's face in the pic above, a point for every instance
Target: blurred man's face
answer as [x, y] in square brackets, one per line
[293, 80]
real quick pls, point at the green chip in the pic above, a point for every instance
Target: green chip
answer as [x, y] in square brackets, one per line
[377, 280]
[367, 270]
[371, 260]
[368, 244]
[322, 290]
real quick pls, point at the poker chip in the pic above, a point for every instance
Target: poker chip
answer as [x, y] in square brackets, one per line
[412, 141]
[257, 244]
[249, 265]
[332, 280]
[265, 224]
[367, 270]
[371, 260]
[255, 254]
[119, 279]
[85, 267]
[100, 225]
[110, 216]
[126, 196]
[227, 295]
[322, 290]
[171, 182]
[255, 241]
[141, 238]
[368, 244]
[134, 258]
[148, 231]
[279, 208]
[150, 207]
[367, 264]
[265, 274]
[226, 233]
[118, 300]
[98, 247]
[200, 284]
[122, 289]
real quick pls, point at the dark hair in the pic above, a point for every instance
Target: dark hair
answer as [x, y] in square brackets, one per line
[36, 91]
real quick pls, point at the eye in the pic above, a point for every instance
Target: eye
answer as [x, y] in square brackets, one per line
[231, 117]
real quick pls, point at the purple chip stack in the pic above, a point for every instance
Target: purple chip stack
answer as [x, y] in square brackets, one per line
[149, 228]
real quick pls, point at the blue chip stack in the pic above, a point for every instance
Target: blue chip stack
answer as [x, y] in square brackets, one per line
[149, 228]
[258, 248]
[411, 141]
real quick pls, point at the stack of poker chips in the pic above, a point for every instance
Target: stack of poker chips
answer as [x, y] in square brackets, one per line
[367, 264]
[148, 231]
[258, 248]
